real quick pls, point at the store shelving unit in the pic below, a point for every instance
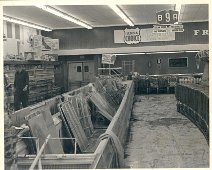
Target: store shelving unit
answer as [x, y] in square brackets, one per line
[41, 79]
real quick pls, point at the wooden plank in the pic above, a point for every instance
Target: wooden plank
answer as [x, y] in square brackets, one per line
[102, 105]
[86, 116]
[39, 129]
[74, 124]
[18, 117]
[67, 127]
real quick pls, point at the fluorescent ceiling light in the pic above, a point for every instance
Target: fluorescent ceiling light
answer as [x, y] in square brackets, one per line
[192, 51]
[128, 53]
[178, 8]
[167, 52]
[118, 11]
[63, 15]
[164, 52]
[21, 22]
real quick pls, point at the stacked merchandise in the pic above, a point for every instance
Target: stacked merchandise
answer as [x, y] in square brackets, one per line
[153, 88]
[41, 125]
[145, 84]
[76, 111]
[111, 88]
[106, 95]
[77, 120]
[41, 81]
[10, 141]
[42, 84]
[104, 106]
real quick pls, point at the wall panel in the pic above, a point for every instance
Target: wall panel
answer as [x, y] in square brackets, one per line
[142, 63]
[104, 37]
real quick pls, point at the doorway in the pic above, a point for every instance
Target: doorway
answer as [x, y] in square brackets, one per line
[80, 74]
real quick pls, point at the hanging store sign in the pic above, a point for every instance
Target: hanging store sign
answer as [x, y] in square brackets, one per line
[37, 41]
[149, 36]
[166, 28]
[177, 28]
[55, 44]
[133, 36]
[160, 29]
[167, 17]
[108, 58]
[47, 43]
[50, 44]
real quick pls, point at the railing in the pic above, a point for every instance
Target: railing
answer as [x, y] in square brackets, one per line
[193, 102]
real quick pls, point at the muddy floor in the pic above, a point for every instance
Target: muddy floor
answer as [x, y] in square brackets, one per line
[160, 137]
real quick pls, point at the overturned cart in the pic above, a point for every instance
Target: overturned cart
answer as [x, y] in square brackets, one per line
[84, 128]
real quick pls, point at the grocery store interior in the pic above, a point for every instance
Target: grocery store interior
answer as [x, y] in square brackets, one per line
[106, 86]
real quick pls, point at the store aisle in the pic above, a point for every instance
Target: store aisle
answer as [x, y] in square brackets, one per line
[160, 137]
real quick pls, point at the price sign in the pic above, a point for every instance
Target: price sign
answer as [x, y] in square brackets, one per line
[177, 28]
[108, 58]
[160, 29]
[167, 17]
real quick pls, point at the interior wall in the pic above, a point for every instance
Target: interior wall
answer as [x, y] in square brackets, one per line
[13, 46]
[104, 37]
[147, 63]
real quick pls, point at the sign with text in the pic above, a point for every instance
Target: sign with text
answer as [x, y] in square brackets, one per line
[55, 44]
[167, 17]
[132, 36]
[37, 41]
[144, 35]
[147, 35]
[160, 29]
[177, 28]
[166, 28]
[108, 58]
[49, 43]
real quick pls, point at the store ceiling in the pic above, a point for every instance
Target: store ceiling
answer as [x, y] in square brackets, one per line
[103, 15]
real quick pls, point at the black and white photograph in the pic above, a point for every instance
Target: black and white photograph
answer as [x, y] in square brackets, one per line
[105, 85]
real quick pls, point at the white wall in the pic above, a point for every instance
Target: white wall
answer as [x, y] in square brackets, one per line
[10, 45]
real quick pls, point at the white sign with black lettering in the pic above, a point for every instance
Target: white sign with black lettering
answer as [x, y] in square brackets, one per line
[142, 35]
[132, 36]
[177, 28]
[167, 17]
[166, 28]
[160, 29]
[108, 58]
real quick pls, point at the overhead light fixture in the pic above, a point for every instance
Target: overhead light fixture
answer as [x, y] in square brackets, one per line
[63, 15]
[118, 11]
[178, 8]
[192, 51]
[164, 52]
[28, 24]
[128, 53]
